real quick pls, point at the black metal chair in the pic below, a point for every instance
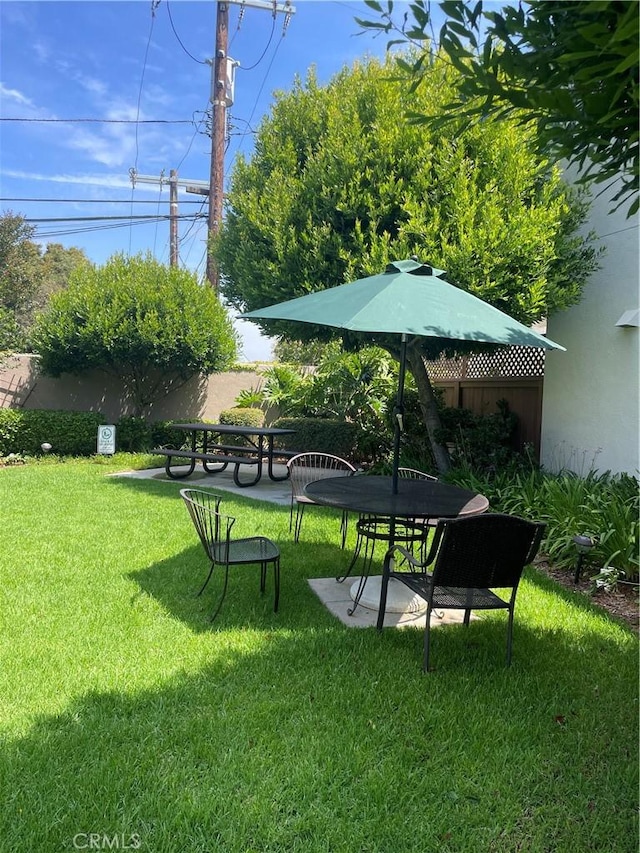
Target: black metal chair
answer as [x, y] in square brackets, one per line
[471, 557]
[214, 531]
[305, 468]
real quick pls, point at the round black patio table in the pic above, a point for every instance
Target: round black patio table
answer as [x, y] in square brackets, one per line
[373, 495]
[415, 498]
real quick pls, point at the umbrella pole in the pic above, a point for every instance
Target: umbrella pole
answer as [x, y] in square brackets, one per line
[398, 414]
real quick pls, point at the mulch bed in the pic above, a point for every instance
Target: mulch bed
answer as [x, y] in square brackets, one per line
[622, 604]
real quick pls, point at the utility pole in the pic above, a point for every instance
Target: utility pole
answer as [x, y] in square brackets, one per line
[222, 82]
[191, 186]
[218, 134]
[173, 218]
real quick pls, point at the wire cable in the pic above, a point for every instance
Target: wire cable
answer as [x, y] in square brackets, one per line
[102, 120]
[154, 6]
[264, 80]
[94, 200]
[190, 55]
[255, 64]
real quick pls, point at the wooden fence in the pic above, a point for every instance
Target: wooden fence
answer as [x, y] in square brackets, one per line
[477, 382]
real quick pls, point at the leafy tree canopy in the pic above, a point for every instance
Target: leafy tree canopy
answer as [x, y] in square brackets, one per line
[153, 326]
[340, 183]
[28, 276]
[19, 263]
[569, 68]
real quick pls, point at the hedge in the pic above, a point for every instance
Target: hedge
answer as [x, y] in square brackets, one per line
[323, 435]
[69, 433]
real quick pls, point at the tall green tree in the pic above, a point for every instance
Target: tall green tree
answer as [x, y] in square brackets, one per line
[19, 279]
[569, 68]
[58, 263]
[152, 326]
[340, 183]
[28, 276]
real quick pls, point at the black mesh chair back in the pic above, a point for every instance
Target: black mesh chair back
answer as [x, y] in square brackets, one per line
[305, 468]
[214, 531]
[471, 558]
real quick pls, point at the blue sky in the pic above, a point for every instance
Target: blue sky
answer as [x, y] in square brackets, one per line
[127, 62]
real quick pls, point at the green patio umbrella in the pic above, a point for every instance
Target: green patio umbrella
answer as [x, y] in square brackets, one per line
[407, 299]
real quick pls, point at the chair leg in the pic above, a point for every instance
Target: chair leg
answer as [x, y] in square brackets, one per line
[509, 636]
[427, 642]
[263, 577]
[298, 524]
[224, 592]
[207, 580]
[467, 616]
[386, 568]
[276, 581]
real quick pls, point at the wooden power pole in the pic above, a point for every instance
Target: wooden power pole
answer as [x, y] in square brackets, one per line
[223, 70]
[201, 187]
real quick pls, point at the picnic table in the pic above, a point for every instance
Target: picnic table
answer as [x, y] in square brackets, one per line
[213, 446]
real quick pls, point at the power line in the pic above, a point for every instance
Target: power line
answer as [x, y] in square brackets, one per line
[154, 5]
[40, 234]
[190, 55]
[154, 217]
[102, 120]
[264, 52]
[95, 201]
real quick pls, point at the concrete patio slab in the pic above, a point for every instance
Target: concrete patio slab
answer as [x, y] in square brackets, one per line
[266, 490]
[337, 599]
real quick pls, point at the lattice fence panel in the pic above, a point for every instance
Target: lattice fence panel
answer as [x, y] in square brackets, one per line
[518, 362]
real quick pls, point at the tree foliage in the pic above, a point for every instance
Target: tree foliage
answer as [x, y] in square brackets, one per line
[571, 69]
[19, 268]
[153, 326]
[340, 184]
[28, 276]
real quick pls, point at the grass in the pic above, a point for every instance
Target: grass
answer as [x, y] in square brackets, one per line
[123, 713]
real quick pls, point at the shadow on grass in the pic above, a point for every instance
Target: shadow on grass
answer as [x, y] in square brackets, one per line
[300, 742]
[175, 582]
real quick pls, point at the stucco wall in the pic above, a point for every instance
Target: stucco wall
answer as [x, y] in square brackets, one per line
[22, 386]
[590, 413]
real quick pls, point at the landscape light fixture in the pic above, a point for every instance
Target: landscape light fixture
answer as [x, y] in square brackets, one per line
[584, 544]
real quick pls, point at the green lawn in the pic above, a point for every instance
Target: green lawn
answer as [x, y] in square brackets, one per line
[125, 714]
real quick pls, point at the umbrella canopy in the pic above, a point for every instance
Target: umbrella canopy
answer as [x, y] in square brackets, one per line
[407, 299]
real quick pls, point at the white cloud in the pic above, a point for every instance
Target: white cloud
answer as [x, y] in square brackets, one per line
[15, 95]
[115, 181]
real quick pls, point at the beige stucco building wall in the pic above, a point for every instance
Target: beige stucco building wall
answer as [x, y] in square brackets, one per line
[590, 412]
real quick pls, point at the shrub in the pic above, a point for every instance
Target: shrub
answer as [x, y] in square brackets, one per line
[69, 433]
[602, 505]
[133, 434]
[324, 435]
[163, 434]
[242, 417]
[484, 441]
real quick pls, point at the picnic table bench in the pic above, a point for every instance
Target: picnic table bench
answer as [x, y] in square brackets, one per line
[256, 447]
